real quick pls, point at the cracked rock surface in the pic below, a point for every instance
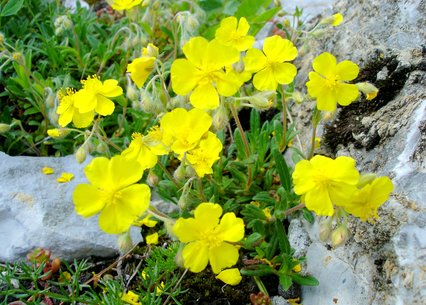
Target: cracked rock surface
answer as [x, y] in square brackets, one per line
[384, 262]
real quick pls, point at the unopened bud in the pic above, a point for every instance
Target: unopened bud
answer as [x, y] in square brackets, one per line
[57, 133]
[262, 100]
[366, 179]
[125, 242]
[1, 38]
[339, 236]
[179, 173]
[297, 96]
[220, 118]
[102, 148]
[50, 97]
[151, 50]
[328, 115]
[238, 66]
[4, 128]
[152, 179]
[334, 20]
[318, 33]
[325, 229]
[80, 155]
[368, 89]
[17, 56]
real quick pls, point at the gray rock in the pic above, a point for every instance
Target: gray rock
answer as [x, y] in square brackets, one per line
[37, 211]
[384, 262]
[278, 300]
[298, 237]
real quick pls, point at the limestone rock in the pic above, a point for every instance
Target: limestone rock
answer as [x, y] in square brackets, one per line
[37, 211]
[384, 262]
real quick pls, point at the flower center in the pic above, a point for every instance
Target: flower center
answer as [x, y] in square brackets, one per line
[211, 239]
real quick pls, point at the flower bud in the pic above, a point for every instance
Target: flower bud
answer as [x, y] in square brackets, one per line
[57, 133]
[328, 115]
[151, 50]
[4, 128]
[102, 148]
[179, 173]
[262, 100]
[220, 118]
[17, 56]
[80, 155]
[325, 229]
[334, 20]
[297, 96]
[366, 179]
[152, 179]
[125, 242]
[368, 89]
[339, 236]
[1, 38]
[132, 93]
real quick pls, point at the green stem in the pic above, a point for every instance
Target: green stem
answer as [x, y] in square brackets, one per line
[245, 142]
[260, 285]
[164, 169]
[284, 106]
[201, 190]
[316, 118]
[295, 208]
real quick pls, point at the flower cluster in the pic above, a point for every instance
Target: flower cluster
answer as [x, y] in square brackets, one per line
[209, 70]
[325, 183]
[80, 106]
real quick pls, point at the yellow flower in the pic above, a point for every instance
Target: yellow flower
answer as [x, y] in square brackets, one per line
[120, 5]
[112, 192]
[131, 298]
[270, 66]
[140, 68]
[69, 113]
[95, 95]
[205, 154]
[207, 238]
[234, 33]
[140, 152]
[152, 239]
[183, 129]
[327, 82]
[324, 182]
[366, 201]
[203, 74]
[47, 170]
[65, 177]
[230, 276]
[57, 133]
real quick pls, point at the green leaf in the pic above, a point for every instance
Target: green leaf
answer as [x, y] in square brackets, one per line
[283, 242]
[305, 280]
[259, 21]
[285, 282]
[282, 169]
[11, 7]
[250, 8]
[209, 5]
[264, 197]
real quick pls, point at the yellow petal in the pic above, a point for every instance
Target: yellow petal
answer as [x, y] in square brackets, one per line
[98, 174]
[66, 117]
[82, 120]
[110, 88]
[124, 172]
[302, 177]
[85, 100]
[140, 69]
[88, 200]
[207, 215]
[227, 83]
[264, 80]
[184, 76]
[195, 256]
[346, 70]
[152, 239]
[187, 230]
[104, 105]
[230, 228]
[284, 73]
[325, 64]
[65, 177]
[346, 94]
[219, 56]
[223, 256]
[205, 97]
[278, 49]
[230, 276]
[243, 26]
[318, 200]
[126, 206]
[47, 170]
[254, 60]
[227, 26]
[195, 50]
